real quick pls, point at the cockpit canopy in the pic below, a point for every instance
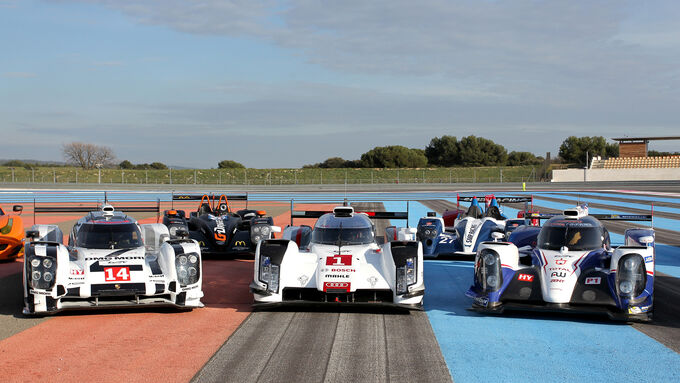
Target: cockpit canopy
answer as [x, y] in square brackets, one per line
[585, 233]
[356, 229]
[109, 235]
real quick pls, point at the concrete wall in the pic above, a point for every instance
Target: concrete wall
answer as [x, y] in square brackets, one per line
[647, 174]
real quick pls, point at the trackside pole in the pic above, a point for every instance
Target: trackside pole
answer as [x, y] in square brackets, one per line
[407, 205]
[291, 211]
[34, 211]
[652, 222]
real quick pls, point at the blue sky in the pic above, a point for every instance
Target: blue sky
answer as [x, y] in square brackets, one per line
[287, 83]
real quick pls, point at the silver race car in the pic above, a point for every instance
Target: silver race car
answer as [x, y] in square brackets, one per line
[340, 261]
[110, 261]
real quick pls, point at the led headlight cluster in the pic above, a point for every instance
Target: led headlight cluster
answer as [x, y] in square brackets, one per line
[43, 271]
[173, 230]
[406, 275]
[269, 274]
[488, 273]
[259, 232]
[188, 268]
[631, 276]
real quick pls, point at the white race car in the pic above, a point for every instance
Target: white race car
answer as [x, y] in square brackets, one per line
[340, 261]
[110, 261]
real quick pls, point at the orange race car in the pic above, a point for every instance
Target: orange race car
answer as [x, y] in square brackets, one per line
[11, 234]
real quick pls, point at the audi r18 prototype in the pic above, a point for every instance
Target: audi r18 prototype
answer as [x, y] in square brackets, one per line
[11, 234]
[217, 229]
[110, 261]
[339, 261]
[572, 268]
[467, 228]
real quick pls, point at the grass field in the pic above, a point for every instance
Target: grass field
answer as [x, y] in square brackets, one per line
[269, 176]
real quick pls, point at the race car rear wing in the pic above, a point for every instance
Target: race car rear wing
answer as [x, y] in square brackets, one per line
[370, 214]
[211, 198]
[601, 217]
[90, 208]
[501, 200]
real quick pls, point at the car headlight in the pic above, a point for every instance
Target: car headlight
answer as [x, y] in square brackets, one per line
[188, 268]
[173, 230]
[269, 274]
[42, 271]
[631, 277]
[406, 275]
[259, 232]
[488, 271]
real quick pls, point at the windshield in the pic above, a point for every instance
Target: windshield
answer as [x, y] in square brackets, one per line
[573, 237]
[346, 236]
[109, 236]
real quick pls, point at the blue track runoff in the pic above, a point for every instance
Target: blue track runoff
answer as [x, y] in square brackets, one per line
[528, 347]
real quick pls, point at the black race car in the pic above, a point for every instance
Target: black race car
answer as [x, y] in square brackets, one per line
[217, 229]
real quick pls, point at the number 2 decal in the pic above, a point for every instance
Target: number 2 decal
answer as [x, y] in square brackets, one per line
[116, 274]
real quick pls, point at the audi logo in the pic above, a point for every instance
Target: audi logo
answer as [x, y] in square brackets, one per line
[337, 284]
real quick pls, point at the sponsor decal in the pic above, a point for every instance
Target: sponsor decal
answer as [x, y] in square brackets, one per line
[638, 309]
[471, 233]
[482, 301]
[77, 272]
[342, 270]
[525, 277]
[38, 292]
[560, 261]
[220, 233]
[649, 259]
[558, 269]
[339, 260]
[115, 274]
[240, 243]
[343, 286]
[303, 280]
[593, 281]
[558, 274]
[557, 281]
[189, 288]
[344, 276]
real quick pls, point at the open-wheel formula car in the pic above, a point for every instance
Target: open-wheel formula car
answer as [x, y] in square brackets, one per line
[339, 261]
[110, 261]
[459, 232]
[572, 268]
[11, 234]
[218, 229]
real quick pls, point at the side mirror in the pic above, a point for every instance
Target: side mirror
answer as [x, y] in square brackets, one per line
[33, 234]
[17, 208]
[497, 236]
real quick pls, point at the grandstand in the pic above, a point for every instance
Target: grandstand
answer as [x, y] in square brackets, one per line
[636, 162]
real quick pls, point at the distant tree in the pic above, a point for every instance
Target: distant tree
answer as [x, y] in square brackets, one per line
[228, 164]
[575, 149]
[19, 164]
[393, 157]
[655, 153]
[158, 166]
[478, 151]
[523, 158]
[333, 162]
[126, 165]
[87, 155]
[443, 151]
[611, 150]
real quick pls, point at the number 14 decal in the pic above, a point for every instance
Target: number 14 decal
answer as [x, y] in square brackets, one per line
[116, 274]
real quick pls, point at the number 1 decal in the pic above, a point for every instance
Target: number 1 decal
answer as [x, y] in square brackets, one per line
[339, 260]
[116, 274]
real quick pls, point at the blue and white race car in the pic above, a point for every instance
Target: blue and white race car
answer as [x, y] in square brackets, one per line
[572, 269]
[470, 227]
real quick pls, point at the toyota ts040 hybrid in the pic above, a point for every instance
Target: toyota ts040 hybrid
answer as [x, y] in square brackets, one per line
[11, 234]
[340, 261]
[217, 229]
[572, 268]
[459, 232]
[110, 261]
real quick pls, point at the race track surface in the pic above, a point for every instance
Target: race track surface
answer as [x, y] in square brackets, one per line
[227, 342]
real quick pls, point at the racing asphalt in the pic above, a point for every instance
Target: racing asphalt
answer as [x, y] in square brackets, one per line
[226, 342]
